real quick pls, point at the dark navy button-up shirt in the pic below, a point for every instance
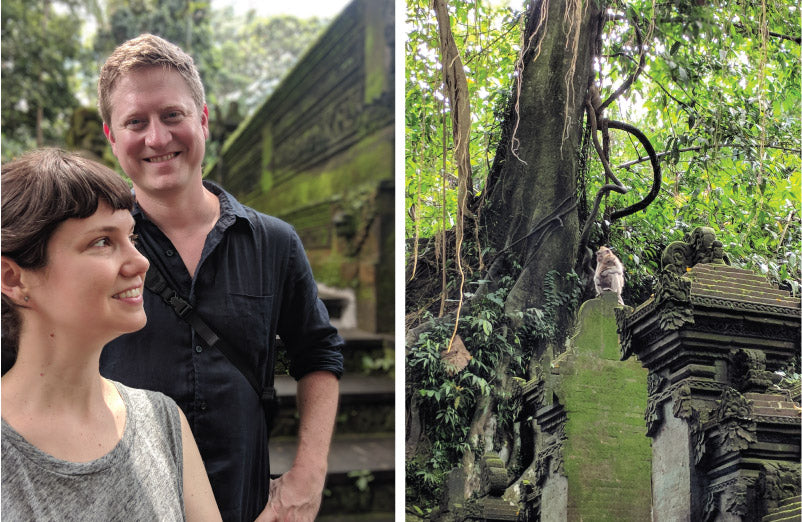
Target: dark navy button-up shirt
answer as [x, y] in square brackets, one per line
[253, 282]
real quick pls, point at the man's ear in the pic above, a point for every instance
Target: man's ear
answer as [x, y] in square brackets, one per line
[205, 121]
[107, 132]
[11, 280]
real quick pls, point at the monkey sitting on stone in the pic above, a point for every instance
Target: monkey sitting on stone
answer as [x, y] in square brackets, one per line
[609, 273]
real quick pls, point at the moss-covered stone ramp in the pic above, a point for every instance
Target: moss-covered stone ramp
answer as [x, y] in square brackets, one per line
[607, 456]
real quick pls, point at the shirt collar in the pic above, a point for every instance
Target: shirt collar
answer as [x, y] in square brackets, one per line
[230, 208]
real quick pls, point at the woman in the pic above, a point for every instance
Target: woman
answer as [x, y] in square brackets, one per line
[76, 445]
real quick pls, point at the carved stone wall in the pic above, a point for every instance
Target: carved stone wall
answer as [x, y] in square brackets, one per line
[319, 153]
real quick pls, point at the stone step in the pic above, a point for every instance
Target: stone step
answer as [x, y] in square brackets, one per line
[773, 405]
[362, 352]
[335, 306]
[725, 293]
[748, 289]
[357, 517]
[791, 501]
[374, 452]
[367, 405]
[788, 509]
[360, 484]
[783, 515]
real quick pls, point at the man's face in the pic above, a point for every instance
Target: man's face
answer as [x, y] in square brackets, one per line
[156, 131]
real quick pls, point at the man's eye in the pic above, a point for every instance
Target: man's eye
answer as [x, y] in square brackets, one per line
[135, 123]
[172, 116]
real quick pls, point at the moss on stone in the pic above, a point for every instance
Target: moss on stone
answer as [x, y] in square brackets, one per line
[607, 456]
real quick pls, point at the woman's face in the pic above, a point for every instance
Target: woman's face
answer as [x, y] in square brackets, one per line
[93, 282]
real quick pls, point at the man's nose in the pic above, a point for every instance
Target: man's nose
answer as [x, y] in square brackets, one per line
[158, 135]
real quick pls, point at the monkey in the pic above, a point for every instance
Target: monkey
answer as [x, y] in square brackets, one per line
[609, 273]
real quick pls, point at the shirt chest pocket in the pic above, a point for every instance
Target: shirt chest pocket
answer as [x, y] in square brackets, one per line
[245, 322]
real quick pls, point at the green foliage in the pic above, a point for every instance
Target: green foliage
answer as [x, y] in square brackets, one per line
[563, 295]
[488, 39]
[250, 54]
[722, 104]
[185, 23]
[718, 99]
[39, 49]
[447, 402]
[362, 479]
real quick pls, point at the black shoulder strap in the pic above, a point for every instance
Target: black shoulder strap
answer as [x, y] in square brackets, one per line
[157, 283]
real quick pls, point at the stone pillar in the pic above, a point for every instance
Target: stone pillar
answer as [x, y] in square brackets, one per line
[593, 459]
[726, 434]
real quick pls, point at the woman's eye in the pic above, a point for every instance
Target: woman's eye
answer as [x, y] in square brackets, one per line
[134, 238]
[102, 242]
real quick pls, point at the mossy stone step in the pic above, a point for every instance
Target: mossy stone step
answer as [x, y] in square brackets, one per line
[726, 282]
[374, 453]
[367, 405]
[788, 509]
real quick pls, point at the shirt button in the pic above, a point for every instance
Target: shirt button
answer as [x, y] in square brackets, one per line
[203, 405]
[169, 253]
[199, 348]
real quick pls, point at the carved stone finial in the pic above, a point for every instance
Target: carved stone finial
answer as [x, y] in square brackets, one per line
[700, 246]
[706, 248]
[676, 258]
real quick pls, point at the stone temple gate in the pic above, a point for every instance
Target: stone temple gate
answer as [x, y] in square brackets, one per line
[725, 431]
[675, 410]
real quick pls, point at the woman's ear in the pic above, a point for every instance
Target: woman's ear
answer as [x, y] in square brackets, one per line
[11, 280]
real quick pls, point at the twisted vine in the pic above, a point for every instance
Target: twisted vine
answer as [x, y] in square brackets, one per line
[595, 113]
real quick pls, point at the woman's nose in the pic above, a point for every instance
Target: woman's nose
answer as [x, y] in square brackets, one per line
[135, 263]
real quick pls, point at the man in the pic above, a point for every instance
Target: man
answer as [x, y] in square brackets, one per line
[246, 275]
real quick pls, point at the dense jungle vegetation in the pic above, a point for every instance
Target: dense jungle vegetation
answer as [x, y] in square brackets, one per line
[519, 120]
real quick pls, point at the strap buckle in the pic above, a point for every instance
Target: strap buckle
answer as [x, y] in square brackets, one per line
[181, 307]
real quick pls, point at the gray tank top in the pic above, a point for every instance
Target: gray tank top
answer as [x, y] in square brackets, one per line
[140, 479]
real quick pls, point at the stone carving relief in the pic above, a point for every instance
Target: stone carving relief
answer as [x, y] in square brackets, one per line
[550, 459]
[493, 475]
[749, 371]
[672, 297]
[737, 430]
[779, 481]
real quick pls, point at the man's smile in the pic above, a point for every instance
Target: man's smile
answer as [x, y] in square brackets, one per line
[159, 159]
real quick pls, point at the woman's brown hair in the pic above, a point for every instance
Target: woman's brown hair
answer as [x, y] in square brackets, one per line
[40, 190]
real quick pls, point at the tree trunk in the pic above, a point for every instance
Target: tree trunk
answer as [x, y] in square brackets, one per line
[531, 202]
[529, 207]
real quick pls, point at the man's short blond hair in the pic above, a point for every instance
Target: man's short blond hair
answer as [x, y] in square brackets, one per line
[146, 50]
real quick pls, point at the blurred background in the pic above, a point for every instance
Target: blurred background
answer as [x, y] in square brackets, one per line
[301, 104]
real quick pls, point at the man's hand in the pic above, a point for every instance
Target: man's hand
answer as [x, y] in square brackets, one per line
[292, 499]
[296, 495]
